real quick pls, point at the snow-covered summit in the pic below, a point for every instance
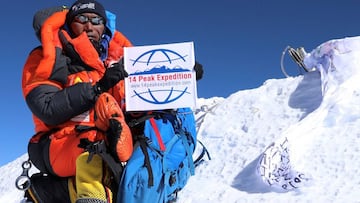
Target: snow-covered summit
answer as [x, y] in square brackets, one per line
[318, 113]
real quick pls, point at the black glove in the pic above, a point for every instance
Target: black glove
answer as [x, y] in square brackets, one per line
[112, 76]
[113, 135]
[198, 70]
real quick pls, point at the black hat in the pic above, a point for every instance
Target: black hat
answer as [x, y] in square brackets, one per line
[85, 6]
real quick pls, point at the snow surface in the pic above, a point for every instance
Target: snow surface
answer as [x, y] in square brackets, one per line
[319, 114]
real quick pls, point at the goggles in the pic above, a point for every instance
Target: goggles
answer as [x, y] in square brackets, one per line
[84, 19]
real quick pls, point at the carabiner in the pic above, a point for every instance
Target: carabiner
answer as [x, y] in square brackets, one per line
[23, 181]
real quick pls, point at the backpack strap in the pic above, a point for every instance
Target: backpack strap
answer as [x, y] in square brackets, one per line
[135, 122]
[100, 148]
[143, 145]
[157, 133]
[189, 151]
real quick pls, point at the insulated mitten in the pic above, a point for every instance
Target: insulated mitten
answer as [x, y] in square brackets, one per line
[110, 118]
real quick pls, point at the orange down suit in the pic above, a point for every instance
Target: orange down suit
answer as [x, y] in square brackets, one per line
[57, 83]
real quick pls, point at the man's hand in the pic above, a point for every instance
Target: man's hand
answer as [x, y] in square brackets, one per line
[112, 76]
[198, 70]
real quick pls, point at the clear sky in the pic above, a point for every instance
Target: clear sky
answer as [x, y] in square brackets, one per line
[239, 43]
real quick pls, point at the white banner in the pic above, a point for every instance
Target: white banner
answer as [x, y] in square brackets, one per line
[160, 77]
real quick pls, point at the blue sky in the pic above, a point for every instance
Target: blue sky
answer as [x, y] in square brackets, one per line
[239, 43]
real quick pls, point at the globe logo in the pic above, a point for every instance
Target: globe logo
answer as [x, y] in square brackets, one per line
[164, 54]
[162, 77]
[153, 100]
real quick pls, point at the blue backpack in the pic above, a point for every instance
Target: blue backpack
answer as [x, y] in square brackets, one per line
[162, 161]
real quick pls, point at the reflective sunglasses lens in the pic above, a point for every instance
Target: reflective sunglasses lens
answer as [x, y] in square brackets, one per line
[96, 20]
[82, 19]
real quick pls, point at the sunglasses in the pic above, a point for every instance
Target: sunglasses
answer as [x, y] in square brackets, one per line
[84, 19]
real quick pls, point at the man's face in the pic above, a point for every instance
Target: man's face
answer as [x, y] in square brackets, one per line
[90, 23]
